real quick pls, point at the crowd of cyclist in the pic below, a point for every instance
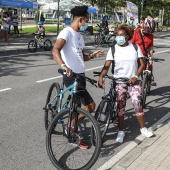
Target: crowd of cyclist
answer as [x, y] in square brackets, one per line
[69, 53]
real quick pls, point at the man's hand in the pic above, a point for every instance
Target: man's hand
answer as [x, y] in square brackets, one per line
[97, 53]
[68, 71]
[133, 80]
[100, 82]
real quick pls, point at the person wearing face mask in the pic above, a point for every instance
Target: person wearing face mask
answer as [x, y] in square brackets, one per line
[127, 63]
[144, 38]
[68, 52]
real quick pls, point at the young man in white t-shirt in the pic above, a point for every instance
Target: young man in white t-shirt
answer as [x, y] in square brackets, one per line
[69, 54]
[128, 63]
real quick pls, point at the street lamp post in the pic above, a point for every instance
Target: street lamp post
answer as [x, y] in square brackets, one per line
[58, 15]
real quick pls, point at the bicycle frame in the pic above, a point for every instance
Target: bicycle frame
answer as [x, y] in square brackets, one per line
[73, 90]
[112, 98]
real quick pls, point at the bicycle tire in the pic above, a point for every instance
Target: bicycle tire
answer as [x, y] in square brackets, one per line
[144, 89]
[103, 116]
[98, 40]
[47, 45]
[149, 84]
[32, 44]
[73, 155]
[111, 41]
[49, 114]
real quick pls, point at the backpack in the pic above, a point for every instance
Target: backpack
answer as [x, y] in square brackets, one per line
[113, 52]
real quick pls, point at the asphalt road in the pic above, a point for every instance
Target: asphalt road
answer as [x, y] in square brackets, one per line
[24, 83]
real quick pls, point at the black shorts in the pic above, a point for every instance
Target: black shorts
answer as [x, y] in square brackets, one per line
[84, 95]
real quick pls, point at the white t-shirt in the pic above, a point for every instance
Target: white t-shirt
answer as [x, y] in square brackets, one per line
[126, 60]
[71, 52]
[4, 23]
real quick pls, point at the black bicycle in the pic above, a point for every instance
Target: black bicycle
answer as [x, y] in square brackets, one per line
[104, 37]
[65, 134]
[107, 109]
[147, 79]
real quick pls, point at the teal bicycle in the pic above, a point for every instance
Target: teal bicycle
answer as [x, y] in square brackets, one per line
[63, 138]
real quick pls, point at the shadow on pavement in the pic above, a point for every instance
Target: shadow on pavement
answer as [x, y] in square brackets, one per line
[155, 112]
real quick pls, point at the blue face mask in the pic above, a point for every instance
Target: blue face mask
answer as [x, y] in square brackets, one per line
[84, 27]
[120, 40]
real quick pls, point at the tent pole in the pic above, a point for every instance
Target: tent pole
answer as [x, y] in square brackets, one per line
[58, 17]
[21, 19]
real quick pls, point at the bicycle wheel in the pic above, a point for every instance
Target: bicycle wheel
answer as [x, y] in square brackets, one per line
[103, 116]
[97, 39]
[111, 40]
[63, 151]
[149, 84]
[52, 110]
[144, 89]
[47, 45]
[32, 46]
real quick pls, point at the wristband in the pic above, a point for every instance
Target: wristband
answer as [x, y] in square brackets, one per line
[63, 65]
[136, 76]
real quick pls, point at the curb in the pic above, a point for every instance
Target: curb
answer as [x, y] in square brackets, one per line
[127, 153]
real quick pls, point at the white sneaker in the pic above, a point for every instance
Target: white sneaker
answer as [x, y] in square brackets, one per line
[120, 136]
[144, 131]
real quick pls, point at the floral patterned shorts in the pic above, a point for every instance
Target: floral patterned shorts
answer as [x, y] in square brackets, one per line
[135, 92]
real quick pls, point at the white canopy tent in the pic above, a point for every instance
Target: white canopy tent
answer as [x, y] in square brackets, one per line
[65, 5]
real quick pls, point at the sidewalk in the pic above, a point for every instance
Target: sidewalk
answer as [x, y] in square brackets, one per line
[149, 153]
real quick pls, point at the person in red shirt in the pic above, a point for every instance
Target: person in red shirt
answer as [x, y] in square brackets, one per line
[147, 48]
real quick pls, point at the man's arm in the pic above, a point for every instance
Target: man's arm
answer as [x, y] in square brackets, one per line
[57, 55]
[92, 55]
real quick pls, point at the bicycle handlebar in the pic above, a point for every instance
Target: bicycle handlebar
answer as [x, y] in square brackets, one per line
[154, 59]
[75, 75]
[123, 79]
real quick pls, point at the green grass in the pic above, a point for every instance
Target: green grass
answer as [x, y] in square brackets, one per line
[33, 29]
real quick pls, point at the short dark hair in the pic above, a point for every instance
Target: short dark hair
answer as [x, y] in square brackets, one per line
[79, 11]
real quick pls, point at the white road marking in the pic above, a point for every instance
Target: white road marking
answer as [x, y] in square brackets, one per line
[161, 52]
[109, 164]
[1, 90]
[40, 81]
[52, 78]
[160, 43]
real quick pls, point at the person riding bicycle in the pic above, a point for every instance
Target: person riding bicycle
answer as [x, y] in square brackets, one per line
[144, 38]
[132, 22]
[68, 52]
[128, 62]
[41, 31]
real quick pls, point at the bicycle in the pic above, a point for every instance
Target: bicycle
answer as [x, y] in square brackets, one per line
[107, 109]
[147, 78]
[55, 98]
[104, 37]
[62, 139]
[33, 44]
